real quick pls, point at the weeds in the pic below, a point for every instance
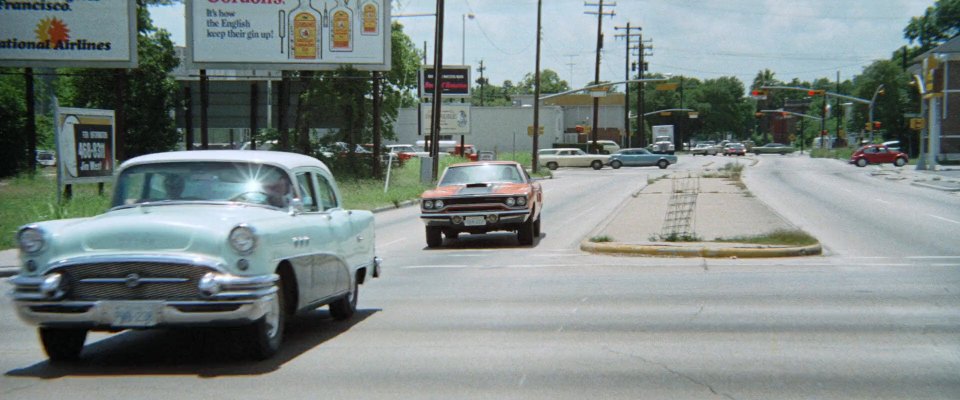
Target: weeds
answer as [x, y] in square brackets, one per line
[780, 237]
[601, 239]
[676, 237]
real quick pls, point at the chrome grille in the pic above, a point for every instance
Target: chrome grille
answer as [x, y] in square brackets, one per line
[120, 290]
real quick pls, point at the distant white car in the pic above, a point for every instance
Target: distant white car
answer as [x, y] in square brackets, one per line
[46, 158]
[607, 146]
[704, 149]
[571, 157]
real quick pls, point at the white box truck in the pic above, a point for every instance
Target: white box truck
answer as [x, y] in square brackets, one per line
[663, 139]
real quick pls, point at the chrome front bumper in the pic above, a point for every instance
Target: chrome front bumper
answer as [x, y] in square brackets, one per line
[217, 300]
[99, 315]
[504, 218]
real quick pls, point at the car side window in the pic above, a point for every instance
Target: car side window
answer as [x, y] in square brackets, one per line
[307, 192]
[328, 198]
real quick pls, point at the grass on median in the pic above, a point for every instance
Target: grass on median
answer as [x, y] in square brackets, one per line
[33, 197]
[780, 237]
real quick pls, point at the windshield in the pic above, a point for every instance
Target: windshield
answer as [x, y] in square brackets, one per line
[481, 174]
[250, 183]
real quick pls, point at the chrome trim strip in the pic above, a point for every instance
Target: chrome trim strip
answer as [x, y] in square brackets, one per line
[158, 258]
[140, 280]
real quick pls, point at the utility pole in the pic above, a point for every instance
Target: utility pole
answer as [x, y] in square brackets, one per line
[837, 106]
[536, 93]
[626, 70]
[437, 84]
[642, 68]
[571, 64]
[483, 82]
[596, 76]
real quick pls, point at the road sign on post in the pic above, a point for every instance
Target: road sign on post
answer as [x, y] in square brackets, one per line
[530, 130]
[917, 123]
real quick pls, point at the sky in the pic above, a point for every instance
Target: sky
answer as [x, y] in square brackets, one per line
[706, 39]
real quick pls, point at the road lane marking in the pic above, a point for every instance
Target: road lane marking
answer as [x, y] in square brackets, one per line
[943, 219]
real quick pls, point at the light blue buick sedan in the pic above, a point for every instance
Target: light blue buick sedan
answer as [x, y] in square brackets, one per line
[640, 158]
[242, 239]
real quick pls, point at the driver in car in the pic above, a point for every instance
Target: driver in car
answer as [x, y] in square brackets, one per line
[278, 192]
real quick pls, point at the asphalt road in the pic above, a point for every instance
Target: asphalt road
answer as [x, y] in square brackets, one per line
[485, 318]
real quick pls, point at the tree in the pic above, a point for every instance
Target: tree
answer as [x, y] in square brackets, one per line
[13, 144]
[149, 92]
[891, 104]
[720, 105]
[342, 99]
[550, 82]
[938, 24]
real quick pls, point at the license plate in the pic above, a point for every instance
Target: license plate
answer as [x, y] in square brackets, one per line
[133, 314]
[474, 221]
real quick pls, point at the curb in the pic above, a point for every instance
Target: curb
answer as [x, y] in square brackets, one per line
[669, 250]
[402, 204]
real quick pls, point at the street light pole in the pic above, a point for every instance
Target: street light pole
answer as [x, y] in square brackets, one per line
[463, 37]
[872, 101]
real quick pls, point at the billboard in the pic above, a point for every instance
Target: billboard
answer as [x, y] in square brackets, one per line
[454, 118]
[288, 34]
[68, 33]
[85, 145]
[454, 81]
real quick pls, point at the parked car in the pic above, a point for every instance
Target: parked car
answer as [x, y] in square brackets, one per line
[773, 148]
[219, 238]
[640, 158]
[481, 197]
[704, 149]
[468, 152]
[405, 151]
[606, 146]
[734, 149]
[46, 158]
[570, 157]
[878, 154]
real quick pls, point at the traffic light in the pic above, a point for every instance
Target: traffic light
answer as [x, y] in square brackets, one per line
[758, 93]
[869, 127]
[816, 92]
[876, 125]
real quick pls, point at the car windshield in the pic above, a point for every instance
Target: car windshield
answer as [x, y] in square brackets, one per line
[481, 174]
[250, 183]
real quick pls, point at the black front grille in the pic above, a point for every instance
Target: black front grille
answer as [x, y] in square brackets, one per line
[474, 200]
[121, 290]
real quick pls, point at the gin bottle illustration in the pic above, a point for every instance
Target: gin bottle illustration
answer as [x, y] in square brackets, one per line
[304, 34]
[341, 27]
[370, 18]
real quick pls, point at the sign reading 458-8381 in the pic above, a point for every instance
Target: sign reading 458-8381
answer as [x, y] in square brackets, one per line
[68, 33]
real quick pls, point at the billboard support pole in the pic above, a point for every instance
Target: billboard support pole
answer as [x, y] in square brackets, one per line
[204, 101]
[31, 119]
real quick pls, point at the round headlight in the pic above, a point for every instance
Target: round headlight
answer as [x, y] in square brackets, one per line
[243, 239]
[428, 204]
[31, 240]
[438, 204]
[511, 201]
[521, 201]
